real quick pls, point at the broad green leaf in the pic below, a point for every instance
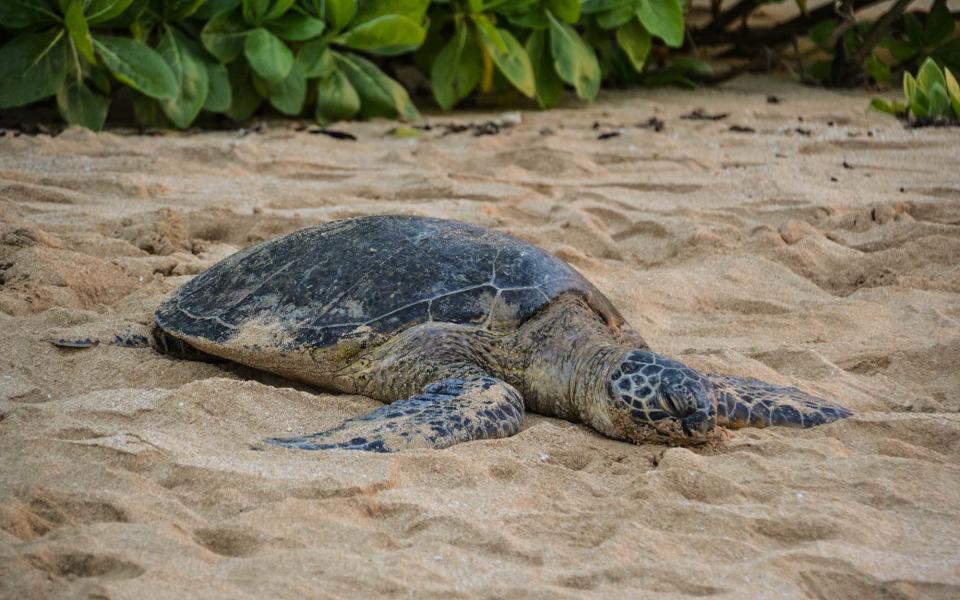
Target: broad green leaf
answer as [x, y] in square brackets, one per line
[457, 68]
[953, 91]
[32, 67]
[909, 87]
[387, 35]
[534, 19]
[636, 42]
[509, 56]
[662, 18]
[79, 30]
[938, 102]
[254, 11]
[278, 9]
[288, 95]
[940, 24]
[337, 100]
[219, 95]
[368, 10]
[574, 61]
[821, 33]
[296, 27]
[565, 10]
[193, 82]
[244, 97]
[337, 13]
[929, 75]
[380, 96]
[549, 85]
[949, 54]
[178, 10]
[315, 59]
[137, 65]
[881, 105]
[224, 34]
[588, 7]
[268, 55]
[212, 8]
[101, 11]
[616, 16]
[18, 14]
[80, 106]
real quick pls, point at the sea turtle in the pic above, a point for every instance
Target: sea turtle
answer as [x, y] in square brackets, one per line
[460, 329]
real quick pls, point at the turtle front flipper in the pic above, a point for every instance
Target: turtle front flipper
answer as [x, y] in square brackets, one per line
[743, 402]
[445, 413]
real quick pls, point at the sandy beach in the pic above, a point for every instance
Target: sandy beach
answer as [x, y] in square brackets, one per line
[798, 239]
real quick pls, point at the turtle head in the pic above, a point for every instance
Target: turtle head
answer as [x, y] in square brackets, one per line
[655, 398]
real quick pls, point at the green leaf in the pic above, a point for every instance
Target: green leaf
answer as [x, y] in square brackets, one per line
[881, 105]
[193, 80]
[102, 11]
[244, 97]
[268, 55]
[315, 59]
[255, 11]
[32, 67]
[79, 30]
[278, 9]
[909, 87]
[380, 96]
[368, 10]
[509, 56]
[940, 24]
[337, 13]
[179, 10]
[588, 7]
[636, 42]
[953, 91]
[387, 35]
[939, 103]
[19, 14]
[566, 10]
[662, 18]
[821, 33]
[929, 75]
[296, 27]
[616, 16]
[219, 96]
[288, 95]
[80, 106]
[137, 65]
[224, 34]
[574, 60]
[878, 70]
[549, 85]
[457, 68]
[337, 100]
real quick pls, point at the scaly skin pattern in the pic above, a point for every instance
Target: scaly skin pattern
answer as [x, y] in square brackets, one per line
[452, 383]
[443, 414]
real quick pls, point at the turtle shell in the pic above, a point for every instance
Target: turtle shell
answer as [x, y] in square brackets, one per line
[381, 274]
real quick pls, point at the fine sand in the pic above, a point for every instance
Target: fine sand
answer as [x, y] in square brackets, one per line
[818, 248]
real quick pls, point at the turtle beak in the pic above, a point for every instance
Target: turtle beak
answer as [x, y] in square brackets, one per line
[699, 423]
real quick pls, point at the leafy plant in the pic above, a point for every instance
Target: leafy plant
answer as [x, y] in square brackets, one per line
[932, 97]
[173, 60]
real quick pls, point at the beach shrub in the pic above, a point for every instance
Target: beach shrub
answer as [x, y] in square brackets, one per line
[175, 59]
[172, 61]
[932, 97]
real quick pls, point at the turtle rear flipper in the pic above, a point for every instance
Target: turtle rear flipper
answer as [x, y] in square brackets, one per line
[744, 402]
[445, 413]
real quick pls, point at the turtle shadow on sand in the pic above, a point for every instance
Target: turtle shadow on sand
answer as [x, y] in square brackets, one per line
[459, 329]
